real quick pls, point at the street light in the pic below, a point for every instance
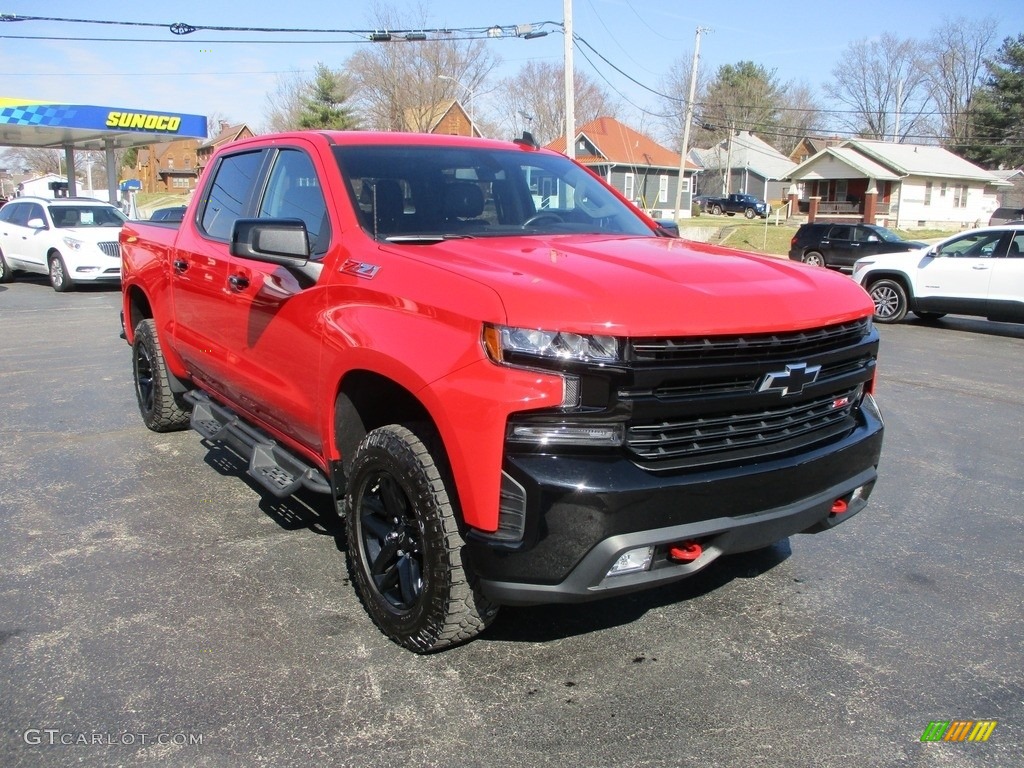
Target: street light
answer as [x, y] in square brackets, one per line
[469, 102]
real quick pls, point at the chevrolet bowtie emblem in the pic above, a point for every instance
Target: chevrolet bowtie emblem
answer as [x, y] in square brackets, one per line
[790, 381]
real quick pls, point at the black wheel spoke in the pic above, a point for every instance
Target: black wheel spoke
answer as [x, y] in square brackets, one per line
[386, 557]
[410, 583]
[394, 500]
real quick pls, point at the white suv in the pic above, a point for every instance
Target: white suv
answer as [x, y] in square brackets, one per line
[979, 272]
[71, 239]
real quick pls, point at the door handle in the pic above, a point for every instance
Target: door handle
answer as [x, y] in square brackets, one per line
[180, 265]
[979, 266]
[238, 282]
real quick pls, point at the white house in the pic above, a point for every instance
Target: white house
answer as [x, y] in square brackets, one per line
[912, 185]
[39, 186]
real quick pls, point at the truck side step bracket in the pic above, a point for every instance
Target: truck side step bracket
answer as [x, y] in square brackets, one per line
[272, 466]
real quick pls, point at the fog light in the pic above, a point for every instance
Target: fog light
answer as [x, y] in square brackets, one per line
[634, 560]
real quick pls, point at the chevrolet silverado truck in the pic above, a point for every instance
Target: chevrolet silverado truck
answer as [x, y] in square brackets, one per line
[513, 386]
[748, 205]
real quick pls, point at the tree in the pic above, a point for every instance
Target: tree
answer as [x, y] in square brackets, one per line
[284, 103]
[322, 103]
[534, 98]
[955, 65]
[743, 96]
[677, 82]
[799, 115]
[400, 85]
[883, 85]
[997, 135]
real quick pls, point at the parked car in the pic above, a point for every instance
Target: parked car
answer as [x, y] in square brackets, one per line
[1005, 216]
[72, 239]
[980, 272]
[732, 204]
[840, 245]
[173, 214]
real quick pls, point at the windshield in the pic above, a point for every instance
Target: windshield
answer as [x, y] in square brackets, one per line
[404, 193]
[887, 235]
[67, 216]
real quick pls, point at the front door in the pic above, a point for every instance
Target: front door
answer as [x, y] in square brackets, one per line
[956, 276]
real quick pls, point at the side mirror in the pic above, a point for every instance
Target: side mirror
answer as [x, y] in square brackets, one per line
[37, 223]
[276, 241]
[873, 238]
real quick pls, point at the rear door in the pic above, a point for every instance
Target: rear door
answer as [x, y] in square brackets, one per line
[1006, 292]
[199, 271]
[838, 246]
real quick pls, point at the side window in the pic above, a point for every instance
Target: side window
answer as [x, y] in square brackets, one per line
[842, 232]
[35, 211]
[973, 245]
[228, 193]
[294, 192]
[7, 212]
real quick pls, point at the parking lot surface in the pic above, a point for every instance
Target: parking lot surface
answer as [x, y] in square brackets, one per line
[157, 608]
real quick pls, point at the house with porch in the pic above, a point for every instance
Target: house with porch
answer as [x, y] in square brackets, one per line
[903, 186]
[643, 170]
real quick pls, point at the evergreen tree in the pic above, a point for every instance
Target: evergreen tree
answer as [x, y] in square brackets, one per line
[323, 102]
[998, 132]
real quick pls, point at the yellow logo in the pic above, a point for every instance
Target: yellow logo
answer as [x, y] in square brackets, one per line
[140, 120]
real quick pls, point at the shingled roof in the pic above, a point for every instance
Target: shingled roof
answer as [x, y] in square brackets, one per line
[607, 141]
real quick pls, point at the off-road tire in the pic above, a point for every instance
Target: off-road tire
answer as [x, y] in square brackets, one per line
[404, 547]
[890, 298]
[162, 409]
[59, 278]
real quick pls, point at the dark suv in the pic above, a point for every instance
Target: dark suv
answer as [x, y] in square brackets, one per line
[839, 245]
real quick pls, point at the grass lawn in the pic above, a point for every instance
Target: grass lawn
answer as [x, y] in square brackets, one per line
[737, 232]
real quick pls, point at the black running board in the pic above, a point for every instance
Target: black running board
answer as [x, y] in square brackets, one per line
[275, 468]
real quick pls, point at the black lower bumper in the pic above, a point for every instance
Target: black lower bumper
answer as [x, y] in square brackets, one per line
[585, 512]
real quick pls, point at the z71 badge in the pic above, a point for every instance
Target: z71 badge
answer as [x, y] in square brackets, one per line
[360, 269]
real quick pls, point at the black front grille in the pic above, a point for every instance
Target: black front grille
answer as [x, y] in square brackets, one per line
[702, 401]
[111, 249]
[693, 440]
[760, 346]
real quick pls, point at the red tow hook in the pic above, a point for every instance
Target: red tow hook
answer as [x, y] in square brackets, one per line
[839, 506]
[685, 552]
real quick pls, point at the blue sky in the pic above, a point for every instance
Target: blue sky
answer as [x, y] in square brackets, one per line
[204, 74]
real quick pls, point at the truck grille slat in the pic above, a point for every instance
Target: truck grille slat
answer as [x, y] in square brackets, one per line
[769, 346]
[702, 435]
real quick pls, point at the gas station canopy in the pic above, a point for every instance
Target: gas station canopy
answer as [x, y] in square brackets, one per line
[45, 124]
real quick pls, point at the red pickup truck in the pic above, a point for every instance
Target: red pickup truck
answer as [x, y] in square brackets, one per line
[515, 386]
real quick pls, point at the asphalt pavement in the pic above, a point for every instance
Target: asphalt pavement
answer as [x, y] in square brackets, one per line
[157, 608]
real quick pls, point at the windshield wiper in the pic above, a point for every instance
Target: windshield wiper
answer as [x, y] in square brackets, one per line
[426, 239]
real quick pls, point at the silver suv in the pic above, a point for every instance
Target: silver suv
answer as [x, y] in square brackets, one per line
[73, 240]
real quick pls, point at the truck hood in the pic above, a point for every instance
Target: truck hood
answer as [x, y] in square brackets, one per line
[648, 286]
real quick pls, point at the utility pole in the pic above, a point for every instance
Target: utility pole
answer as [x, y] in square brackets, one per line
[570, 90]
[688, 119]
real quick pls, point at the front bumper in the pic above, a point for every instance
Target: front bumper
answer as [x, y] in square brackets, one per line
[585, 512]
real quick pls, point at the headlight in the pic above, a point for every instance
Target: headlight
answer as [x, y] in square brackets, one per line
[71, 242]
[502, 341]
